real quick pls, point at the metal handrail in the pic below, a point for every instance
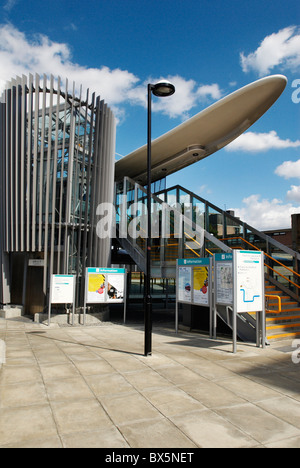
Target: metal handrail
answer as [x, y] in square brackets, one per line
[238, 222]
[279, 303]
[267, 255]
[158, 200]
[273, 259]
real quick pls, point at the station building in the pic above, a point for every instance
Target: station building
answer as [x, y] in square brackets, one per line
[57, 165]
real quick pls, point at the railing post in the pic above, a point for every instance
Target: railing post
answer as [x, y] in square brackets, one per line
[296, 268]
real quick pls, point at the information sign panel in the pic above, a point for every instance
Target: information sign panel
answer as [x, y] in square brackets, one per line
[224, 278]
[249, 281]
[239, 285]
[105, 286]
[62, 289]
[194, 283]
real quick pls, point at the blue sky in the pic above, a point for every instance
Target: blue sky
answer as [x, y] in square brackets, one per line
[208, 48]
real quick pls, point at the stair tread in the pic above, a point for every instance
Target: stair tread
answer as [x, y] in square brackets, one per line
[280, 336]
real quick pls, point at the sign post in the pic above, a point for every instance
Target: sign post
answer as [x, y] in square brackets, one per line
[194, 285]
[249, 290]
[240, 286]
[62, 291]
[223, 282]
[105, 286]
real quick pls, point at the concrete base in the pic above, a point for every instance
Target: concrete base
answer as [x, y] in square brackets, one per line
[67, 319]
[10, 311]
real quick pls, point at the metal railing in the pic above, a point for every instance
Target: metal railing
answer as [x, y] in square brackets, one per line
[268, 297]
[274, 261]
[184, 225]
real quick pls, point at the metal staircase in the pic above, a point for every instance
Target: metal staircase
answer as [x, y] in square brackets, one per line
[283, 314]
[197, 228]
[282, 289]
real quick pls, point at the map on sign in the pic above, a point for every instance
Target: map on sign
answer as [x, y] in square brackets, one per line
[249, 281]
[224, 277]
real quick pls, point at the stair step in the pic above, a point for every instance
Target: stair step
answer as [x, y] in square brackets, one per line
[285, 307]
[283, 318]
[285, 303]
[284, 324]
[276, 292]
[282, 328]
[281, 336]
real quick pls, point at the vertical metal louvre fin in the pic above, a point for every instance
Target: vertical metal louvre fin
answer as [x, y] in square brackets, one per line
[17, 171]
[22, 163]
[41, 168]
[35, 154]
[29, 163]
[48, 184]
[12, 164]
[8, 170]
[63, 125]
[82, 179]
[54, 177]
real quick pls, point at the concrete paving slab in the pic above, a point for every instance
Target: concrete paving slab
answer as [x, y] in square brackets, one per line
[20, 425]
[109, 437]
[80, 415]
[158, 433]
[259, 424]
[209, 430]
[64, 386]
[129, 408]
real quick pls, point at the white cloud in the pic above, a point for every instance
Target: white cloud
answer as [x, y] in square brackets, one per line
[256, 142]
[279, 49]
[188, 94]
[21, 55]
[294, 194]
[212, 90]
[289, 169]
[264, 214]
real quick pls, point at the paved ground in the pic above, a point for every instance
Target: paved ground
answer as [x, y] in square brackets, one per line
[92, 387]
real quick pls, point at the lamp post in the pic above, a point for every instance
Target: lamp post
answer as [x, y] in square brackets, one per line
[160, 89]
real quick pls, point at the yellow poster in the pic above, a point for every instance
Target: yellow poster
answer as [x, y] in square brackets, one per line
[96, 287]
[201, 285]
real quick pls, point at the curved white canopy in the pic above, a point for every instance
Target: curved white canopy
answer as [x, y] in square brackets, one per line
[205, 133]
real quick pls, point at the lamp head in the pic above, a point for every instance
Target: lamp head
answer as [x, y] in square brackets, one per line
[163, 88]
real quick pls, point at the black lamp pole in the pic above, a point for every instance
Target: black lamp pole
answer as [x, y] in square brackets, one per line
[147, 284]
[163, 88]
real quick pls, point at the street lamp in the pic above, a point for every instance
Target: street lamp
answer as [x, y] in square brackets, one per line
[161, 89]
